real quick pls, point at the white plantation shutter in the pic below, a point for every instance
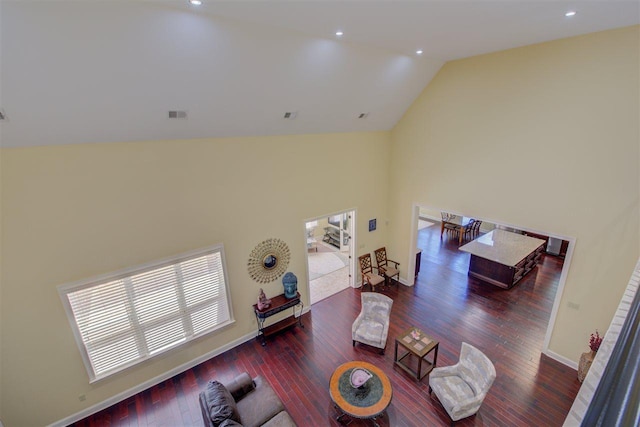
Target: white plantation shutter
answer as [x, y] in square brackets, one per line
[125, 318]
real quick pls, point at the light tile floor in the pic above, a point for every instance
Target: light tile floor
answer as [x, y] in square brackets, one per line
[329, 284]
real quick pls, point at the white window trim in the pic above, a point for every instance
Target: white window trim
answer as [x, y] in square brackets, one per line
[65, 289]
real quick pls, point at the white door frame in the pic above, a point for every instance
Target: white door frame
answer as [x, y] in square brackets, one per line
[561, 283]
[351, 229]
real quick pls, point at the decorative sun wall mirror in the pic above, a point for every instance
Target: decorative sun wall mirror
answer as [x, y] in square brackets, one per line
[268, 261]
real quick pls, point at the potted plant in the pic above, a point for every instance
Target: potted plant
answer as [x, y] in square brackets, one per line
[587, 358]
[594, 342]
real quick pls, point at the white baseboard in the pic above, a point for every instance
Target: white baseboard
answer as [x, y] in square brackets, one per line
[156, 380]
[555, 356]
[405, 282]
[402, 281]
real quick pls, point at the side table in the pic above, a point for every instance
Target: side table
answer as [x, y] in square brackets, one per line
[352, 402]
[278, 303]
[418, 344]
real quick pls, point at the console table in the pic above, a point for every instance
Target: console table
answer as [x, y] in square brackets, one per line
[332, 236]
[278, 303]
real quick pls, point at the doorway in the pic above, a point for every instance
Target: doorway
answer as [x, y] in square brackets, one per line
[330, 246]
[435, 245]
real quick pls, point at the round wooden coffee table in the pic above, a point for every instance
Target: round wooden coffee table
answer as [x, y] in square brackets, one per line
[357, 403]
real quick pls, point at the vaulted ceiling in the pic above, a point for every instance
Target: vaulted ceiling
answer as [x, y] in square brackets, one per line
[105, 70]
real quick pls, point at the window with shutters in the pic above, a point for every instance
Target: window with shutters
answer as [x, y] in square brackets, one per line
[124, 318]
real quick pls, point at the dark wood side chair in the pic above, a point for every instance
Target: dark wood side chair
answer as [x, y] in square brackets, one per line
[384, 265]
[476, 227]
[473, 229]
[369, 277]
[468, 231]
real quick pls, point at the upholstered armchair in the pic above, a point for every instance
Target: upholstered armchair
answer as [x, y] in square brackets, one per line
[371, 327]
[461, 388]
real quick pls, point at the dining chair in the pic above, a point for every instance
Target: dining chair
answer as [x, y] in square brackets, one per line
[473, 228]
[384, 265]
[446, 216]
[369, 277]
[447, 225]
[476, 227]
[468, 231]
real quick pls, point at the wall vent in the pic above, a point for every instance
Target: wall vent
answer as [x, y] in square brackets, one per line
[363, 115]
[177, 114]
[2, 115]
[290, 115]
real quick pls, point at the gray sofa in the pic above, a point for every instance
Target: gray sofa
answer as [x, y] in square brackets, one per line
[243, 402]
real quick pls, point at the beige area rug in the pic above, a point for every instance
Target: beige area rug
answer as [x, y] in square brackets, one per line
[424, 224]
[329, 284]
[323, 263]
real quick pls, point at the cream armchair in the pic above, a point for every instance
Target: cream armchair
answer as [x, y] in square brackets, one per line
[461, 388]
[371, 327]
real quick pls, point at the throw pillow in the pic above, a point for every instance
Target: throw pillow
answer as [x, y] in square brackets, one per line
[220, 403]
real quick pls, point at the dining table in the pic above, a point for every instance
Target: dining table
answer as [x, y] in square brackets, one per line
[460, 223]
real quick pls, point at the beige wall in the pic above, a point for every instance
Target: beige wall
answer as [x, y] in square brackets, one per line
[545, 137]
[76, 211]
[430, 213]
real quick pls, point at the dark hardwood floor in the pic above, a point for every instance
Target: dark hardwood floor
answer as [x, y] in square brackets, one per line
[508, 325]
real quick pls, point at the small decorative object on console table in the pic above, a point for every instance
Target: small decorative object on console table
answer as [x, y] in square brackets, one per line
[278, 304]
[586, 359]
[290, 283]
[263, 301]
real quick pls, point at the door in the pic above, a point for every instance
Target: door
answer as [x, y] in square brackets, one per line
[330, 254]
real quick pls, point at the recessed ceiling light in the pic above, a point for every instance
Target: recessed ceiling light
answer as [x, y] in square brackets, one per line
[195, 2]
[419, 52]
[339, 33]
[570, 13]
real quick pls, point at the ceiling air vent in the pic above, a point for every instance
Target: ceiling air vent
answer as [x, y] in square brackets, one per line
[176, 114]
[363, 115]
[290, 115]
